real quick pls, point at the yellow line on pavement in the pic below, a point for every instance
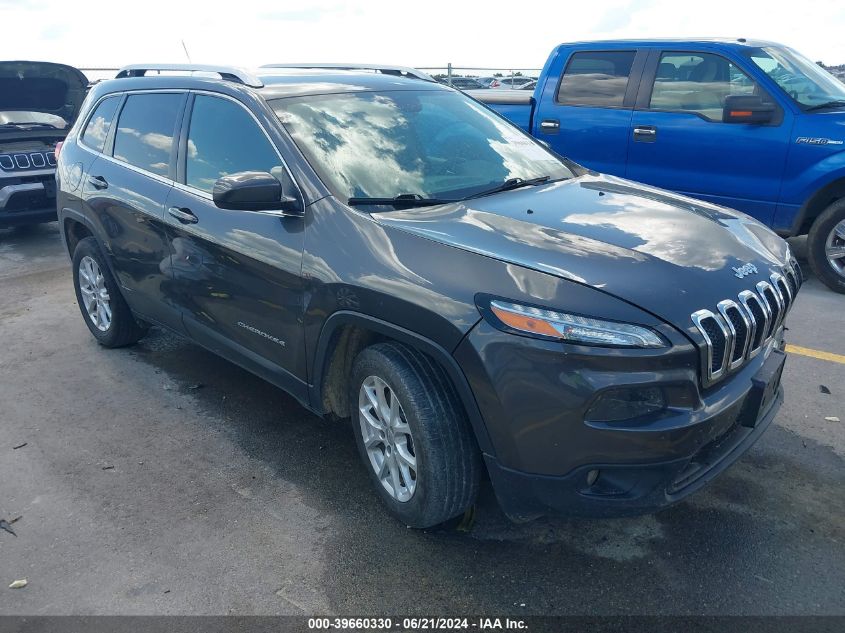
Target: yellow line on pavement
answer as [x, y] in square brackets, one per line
[814, 353]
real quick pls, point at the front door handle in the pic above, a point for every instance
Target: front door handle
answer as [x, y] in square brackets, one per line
[98, 182]
[645, 133]
[550, 124]
[185, 216]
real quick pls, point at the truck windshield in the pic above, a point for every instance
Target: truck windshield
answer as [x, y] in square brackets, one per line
[810, 85]
[427, 144]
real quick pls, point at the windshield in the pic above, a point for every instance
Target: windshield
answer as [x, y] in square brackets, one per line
[804, 81]
[424, 143]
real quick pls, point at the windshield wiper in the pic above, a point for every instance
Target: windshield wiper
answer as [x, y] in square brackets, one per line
[510, 183]
[836, 103]
[402, 200]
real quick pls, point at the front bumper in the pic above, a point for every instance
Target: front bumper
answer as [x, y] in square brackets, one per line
[534, 397]
[623, 489]
[27, 200]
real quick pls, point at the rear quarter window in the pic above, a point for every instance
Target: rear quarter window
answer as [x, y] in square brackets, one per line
[97, 129]
[144, 136]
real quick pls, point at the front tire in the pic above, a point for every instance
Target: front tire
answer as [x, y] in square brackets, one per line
[103, 308]
[413, 435]
[826, 246]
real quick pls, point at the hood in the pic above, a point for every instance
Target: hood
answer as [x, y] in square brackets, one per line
[55, 90]
[662, 252]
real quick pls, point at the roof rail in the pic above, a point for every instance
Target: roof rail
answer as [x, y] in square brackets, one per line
[227, 73]
[385, 69]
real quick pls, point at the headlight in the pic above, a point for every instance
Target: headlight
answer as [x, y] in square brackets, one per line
[573, 328]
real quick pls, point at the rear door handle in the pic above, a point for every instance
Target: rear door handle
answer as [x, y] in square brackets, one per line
[645, 133]
[550, 124]
[98, 182]
[185, 216]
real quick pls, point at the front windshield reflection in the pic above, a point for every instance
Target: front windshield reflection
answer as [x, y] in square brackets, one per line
[434, 144]
[806, 82]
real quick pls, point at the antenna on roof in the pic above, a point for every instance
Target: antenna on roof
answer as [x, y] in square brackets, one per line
[185, 48]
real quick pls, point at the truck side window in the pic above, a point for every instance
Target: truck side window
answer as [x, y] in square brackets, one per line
[596, 78]
[216, 150]
[698, 82]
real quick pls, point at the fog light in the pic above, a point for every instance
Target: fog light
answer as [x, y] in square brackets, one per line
[616, 405]
[592, 477]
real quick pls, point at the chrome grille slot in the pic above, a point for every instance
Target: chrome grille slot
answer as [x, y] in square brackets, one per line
[739, 327]
[718, 339]
[51, 158]
[758, 316]
[772, 300]
[780, 285]
[6, 162]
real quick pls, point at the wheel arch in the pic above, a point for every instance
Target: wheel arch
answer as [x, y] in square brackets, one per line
[816, 203]
[345, 333]
[74, 227]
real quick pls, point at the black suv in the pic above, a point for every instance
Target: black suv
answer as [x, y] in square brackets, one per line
[389, 250]
[39, 102]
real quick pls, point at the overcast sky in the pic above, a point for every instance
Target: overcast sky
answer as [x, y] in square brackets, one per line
[427, 33]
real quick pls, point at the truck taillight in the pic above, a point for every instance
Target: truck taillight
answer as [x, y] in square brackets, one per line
[58, 148]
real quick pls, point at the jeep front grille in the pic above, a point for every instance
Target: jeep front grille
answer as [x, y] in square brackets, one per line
[22, 162]
[737, 330]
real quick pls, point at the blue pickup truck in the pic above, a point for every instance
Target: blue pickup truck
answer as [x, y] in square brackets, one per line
[746, 124]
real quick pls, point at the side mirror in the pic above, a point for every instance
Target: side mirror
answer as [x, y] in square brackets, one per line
[747, 109]
[256, 191]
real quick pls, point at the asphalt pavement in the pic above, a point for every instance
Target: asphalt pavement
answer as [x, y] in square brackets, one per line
[160, 479]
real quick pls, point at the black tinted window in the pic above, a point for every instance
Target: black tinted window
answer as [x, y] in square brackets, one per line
[98, 125]
[596, 78]
[224, 139]
[144, 134]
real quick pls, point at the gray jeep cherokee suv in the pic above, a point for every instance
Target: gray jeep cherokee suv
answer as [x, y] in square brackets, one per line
[389, 250]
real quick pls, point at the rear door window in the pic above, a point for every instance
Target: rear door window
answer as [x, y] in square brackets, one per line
[596, 78]
[97, 130]
[144, 136]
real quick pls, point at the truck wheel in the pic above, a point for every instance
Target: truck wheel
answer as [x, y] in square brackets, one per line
[103, 308]
[413, 435]
[826, 246]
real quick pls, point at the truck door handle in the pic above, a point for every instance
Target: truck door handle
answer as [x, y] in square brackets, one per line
[98, 182]
[185, 216]
[550, 124]
[645, 133]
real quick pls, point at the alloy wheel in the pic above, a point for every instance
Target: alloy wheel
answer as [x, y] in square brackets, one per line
[834, 248]
[95, 295]
[387, 438]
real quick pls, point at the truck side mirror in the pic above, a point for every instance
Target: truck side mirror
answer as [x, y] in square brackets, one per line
[747, 109]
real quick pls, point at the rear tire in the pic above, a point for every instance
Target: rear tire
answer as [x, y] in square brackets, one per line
[414, 438]
[103, 308]
[826, 246]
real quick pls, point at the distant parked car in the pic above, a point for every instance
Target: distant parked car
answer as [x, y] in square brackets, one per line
[528, 86]
[465, 83]
[486, 81]
[39, 102]
[510, 83]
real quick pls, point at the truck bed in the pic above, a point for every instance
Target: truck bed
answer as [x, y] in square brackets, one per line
[514, 105]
